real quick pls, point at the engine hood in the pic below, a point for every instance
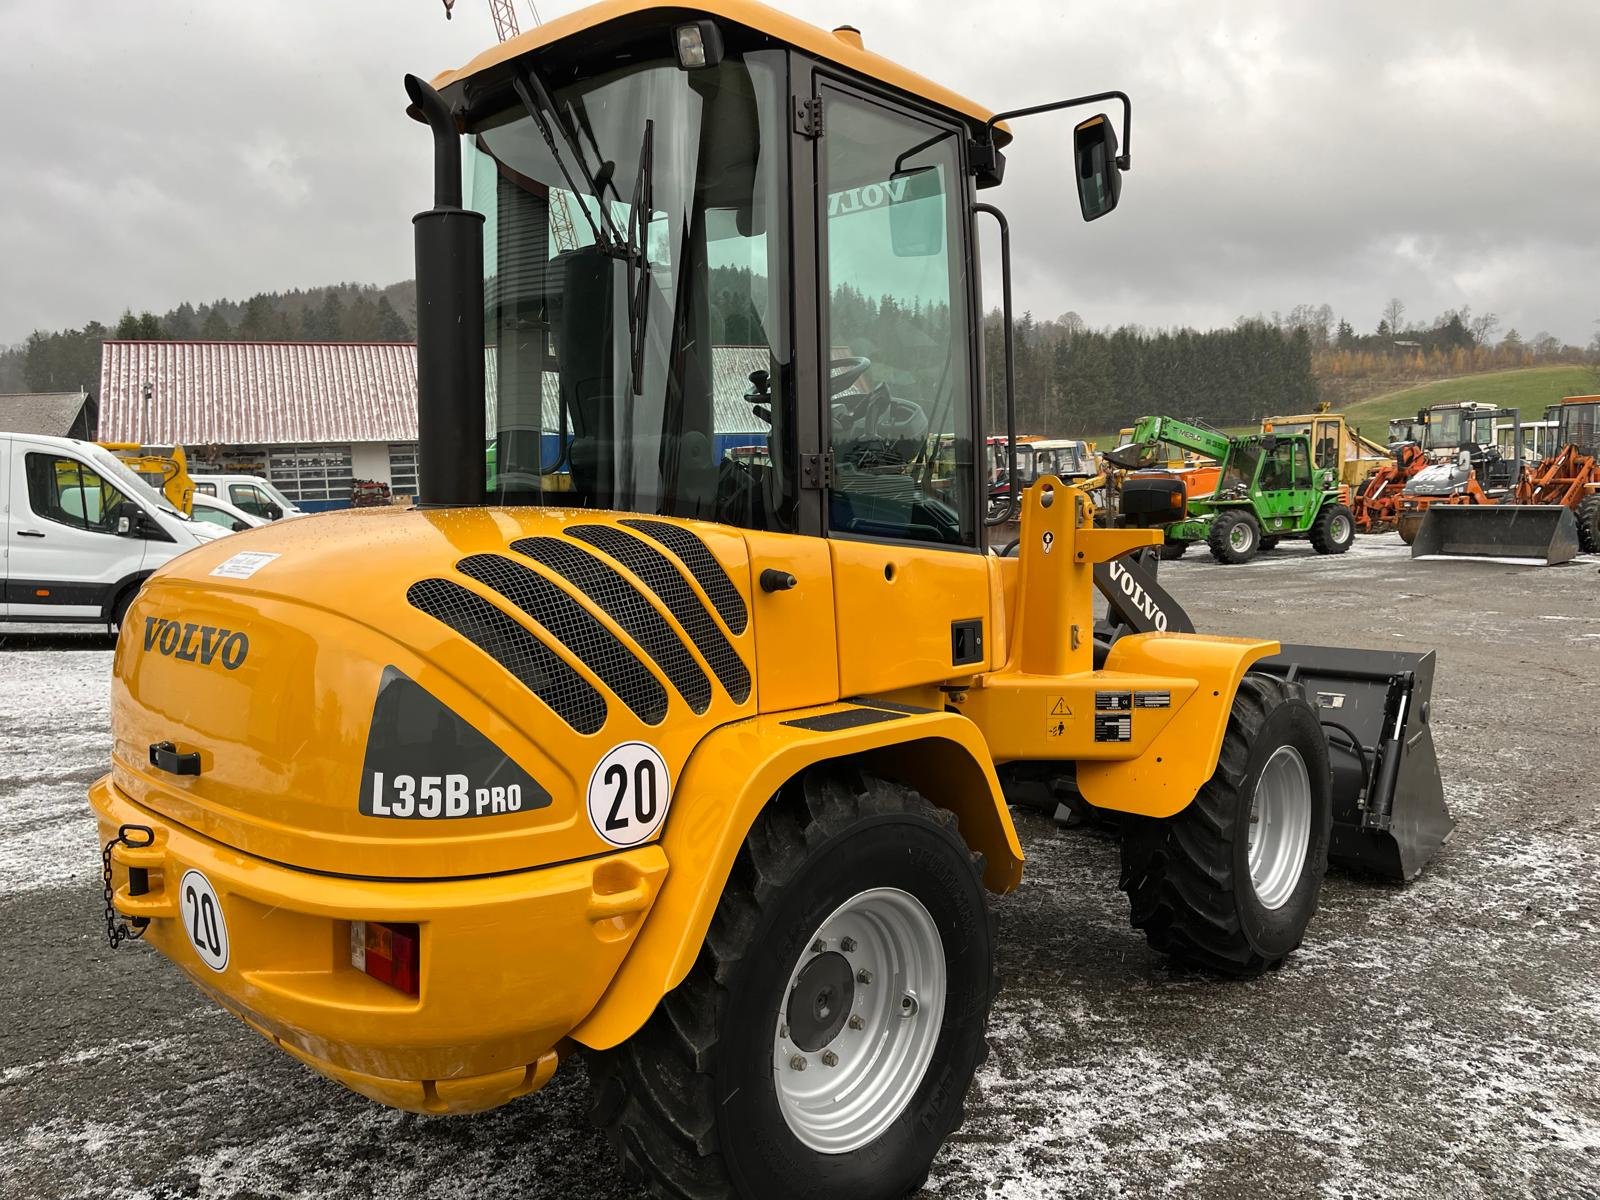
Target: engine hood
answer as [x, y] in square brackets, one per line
[1441, 479]
[423, 694]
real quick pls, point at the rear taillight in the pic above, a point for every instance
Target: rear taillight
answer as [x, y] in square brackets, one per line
[387, 952]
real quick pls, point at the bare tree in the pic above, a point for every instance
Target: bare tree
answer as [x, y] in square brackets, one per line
[1394, 313]
[1482, 326]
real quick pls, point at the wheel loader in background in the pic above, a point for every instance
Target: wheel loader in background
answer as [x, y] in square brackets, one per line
[688, 762]
[1267, 490]
[1490, 504]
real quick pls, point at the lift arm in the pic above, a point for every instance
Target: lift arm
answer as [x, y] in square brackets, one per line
[1150, 432]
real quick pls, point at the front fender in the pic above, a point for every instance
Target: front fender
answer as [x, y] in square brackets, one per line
[1178, 761]
[735, 771]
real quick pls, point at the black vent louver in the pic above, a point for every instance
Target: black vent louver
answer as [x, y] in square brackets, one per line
[657, 573]
[624, 604]
[499, 636]
[570, 624]
[708, 572]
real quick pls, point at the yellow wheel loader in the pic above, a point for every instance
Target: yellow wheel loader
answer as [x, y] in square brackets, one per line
[679, 757]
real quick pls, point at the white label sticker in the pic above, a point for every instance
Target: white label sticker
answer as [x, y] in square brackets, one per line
[201, 913]
[629, 793]
[243, 564]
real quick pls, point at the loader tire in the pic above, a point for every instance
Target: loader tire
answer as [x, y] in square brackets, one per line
[1407, 525]
[1196, 886]
[1588, 515]
[706, 1100]
[1334, 529]
[1234, 536]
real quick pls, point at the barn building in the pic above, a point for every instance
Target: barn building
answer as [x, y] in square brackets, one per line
[313, 417]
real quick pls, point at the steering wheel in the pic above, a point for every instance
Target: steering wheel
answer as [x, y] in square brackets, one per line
[843, 373]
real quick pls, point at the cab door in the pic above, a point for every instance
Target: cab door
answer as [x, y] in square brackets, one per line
[900, 394]
[66, 554]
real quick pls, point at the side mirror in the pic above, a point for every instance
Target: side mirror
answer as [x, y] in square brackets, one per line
[1094, 151]
[240, 527]
[1269, 443]
[273, 512]
[131, 525]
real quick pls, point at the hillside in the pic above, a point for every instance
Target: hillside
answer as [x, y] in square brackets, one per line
[1529, 390]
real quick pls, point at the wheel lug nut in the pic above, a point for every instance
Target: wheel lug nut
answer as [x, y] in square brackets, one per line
[797, 1063]
[848, 945]
[818, 946]
[783, 1031]
[863, 976]
[830, 1059]
[857, 1023]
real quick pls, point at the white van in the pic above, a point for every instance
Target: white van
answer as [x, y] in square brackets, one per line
[217, 511]
[251, 493]
[80, 531]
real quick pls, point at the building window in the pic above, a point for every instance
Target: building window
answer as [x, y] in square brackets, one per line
[312, 472]
[403, 468]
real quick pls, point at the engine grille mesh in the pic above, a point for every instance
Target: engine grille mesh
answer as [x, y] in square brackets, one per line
[623, 603]
[703, 566]
[575, 628]
[661, 577]
[538, 667]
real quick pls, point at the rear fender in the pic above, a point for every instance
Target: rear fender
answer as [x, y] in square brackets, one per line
[1178, 761]
[729, 778]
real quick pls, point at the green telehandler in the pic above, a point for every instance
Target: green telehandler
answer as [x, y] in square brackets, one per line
[1268, 490]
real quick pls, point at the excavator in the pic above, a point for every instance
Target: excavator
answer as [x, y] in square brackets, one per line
[691, 765]
[167, 473]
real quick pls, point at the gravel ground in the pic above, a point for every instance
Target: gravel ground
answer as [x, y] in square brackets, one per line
[1437, 1040]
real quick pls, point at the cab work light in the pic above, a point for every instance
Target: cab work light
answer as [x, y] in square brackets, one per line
[699, 45]
[387, 952]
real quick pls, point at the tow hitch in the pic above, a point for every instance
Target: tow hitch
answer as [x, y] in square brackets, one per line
[135, 837]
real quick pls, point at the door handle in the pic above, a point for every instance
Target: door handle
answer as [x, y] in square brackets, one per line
[29, 533]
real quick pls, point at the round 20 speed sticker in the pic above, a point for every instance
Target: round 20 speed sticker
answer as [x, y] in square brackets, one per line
[629, 792]
[201, 913]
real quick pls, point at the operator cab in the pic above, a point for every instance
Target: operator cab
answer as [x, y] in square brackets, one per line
[646, 228]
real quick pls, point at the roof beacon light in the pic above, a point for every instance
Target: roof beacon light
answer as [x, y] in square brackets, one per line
[699, 45]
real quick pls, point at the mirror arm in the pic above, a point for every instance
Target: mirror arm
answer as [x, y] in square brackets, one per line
[985, 153]
[1015, 498]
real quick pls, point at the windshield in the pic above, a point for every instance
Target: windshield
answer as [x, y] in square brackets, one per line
[705, 434]
[1579, 425]
[1241, 469]
[112, 467]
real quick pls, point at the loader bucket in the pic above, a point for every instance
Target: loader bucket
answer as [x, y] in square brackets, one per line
[1540, 533]
[1389, 814]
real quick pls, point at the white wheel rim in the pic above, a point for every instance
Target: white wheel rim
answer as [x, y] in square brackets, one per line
[1280, 827]
[841, 1092]
[1239, 538]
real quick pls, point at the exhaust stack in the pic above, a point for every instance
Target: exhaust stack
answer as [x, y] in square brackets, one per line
[451, 430]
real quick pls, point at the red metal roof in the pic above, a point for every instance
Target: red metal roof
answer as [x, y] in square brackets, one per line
[252, 393]
[293, 393]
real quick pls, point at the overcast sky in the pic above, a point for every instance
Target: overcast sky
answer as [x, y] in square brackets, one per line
[1443, 151]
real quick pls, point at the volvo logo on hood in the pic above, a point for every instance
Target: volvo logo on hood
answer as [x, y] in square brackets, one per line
[424, 763]
[200, 644]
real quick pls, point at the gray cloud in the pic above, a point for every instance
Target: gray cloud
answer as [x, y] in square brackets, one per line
[1444, 152]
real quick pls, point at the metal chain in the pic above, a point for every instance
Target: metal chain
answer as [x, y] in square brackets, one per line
[118, 931]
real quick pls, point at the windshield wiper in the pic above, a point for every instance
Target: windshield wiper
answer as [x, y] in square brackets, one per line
[639, 215]
[536, 100]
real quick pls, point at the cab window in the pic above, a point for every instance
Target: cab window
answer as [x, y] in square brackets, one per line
[213, 516]
[205, 489]
[900, 411]
[1278, 465]
[248, 497]
[68, 492]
